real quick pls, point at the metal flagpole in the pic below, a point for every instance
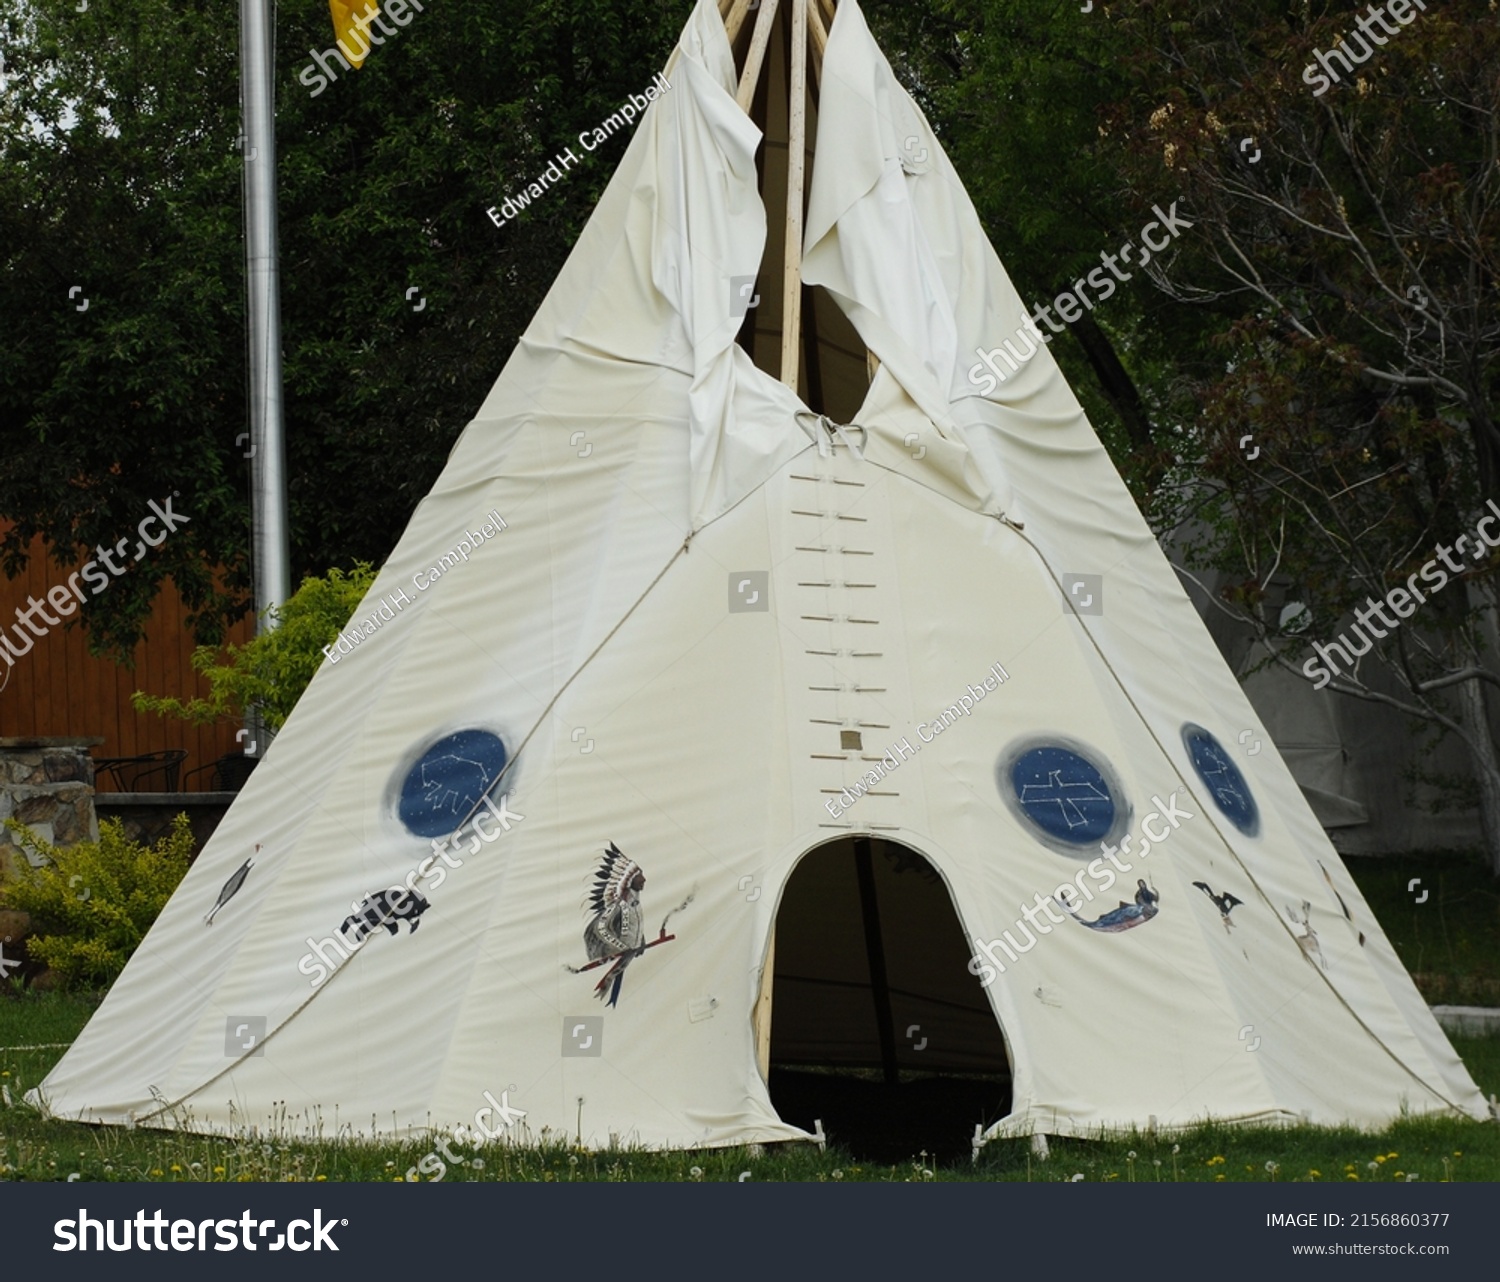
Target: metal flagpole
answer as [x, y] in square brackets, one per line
[271, 546]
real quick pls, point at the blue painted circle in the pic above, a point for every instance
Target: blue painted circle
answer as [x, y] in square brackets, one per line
[447, 781]
[1225, 784]
[1064, 794]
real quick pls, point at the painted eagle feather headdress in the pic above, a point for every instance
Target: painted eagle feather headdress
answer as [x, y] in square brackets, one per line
[616, 871]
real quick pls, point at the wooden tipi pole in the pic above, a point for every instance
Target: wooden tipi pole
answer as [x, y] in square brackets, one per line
[762, 1015]
[735, 19]
[819, 35]
[759, 39]
[796, 157]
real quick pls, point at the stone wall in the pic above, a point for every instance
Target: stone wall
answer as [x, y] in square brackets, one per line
[47, 784]
[147, 816]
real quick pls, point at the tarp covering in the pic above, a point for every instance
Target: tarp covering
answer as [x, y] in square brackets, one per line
[707, 623]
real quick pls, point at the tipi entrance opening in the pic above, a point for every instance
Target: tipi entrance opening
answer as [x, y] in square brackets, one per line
[877, 1026]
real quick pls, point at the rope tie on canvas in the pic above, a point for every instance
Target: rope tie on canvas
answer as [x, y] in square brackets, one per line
[825, 432]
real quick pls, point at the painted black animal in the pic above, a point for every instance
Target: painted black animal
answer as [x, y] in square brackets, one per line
[386, 909]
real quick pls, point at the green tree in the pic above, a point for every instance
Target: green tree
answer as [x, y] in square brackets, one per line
[116, 176]
[119, 172]
[270, 672]
[1356, 243]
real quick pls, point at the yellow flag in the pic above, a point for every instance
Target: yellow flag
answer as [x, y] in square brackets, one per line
[353, 41]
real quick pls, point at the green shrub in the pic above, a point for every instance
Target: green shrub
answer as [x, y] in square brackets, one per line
[93, 903]
[271, 671]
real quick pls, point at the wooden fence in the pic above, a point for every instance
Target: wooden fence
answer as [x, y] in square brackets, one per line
[59, 689]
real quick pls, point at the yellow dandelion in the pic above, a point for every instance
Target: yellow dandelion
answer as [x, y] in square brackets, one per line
[1393, 1155]
[1457, 1153]
[1379, 1158]
[1218, 1179]
[218, 1170]
[156, 1171]
[321, 1178]
[1315, 1174]
[176, 1170]
[1352, 1176]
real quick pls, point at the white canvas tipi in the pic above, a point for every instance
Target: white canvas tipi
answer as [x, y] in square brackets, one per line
[922, 659]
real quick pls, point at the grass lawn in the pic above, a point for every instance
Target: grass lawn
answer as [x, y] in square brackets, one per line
[33, 1149]
[1450, 942]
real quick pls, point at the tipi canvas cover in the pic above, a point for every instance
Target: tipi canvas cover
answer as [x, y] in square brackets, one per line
[716, 632]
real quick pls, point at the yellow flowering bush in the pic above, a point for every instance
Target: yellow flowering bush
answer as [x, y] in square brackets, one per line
[92, 903]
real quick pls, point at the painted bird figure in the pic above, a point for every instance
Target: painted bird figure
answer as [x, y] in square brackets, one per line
[1126, 916]
[1225, 903]
[617, 932]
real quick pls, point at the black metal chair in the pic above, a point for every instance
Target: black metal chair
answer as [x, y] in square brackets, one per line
[230, 771]
[130, 774]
